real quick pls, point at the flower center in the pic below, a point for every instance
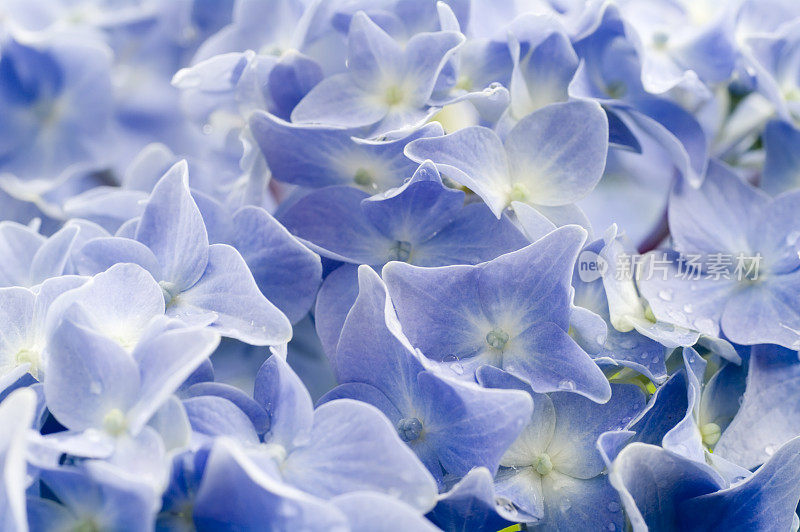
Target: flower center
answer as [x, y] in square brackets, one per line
[519, 192]
[393, 95]
[409, 428]
[543, 465]
[28, 356]
[171, 293]
[616, 89]
[497, 339]
[400, 251]
[87, 525]
[364, 178]
[114, 422]
[660, 40]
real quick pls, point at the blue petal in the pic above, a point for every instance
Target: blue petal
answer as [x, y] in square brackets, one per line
[316, 156]
[653, 482]
[766, 420]
[18, 246]
[227, 289]
[287, 403]
[119, 303]
[471, 505]
[236, 492]
[88, 376]
[579, 423]
[375, 512]
[425, 54]
[353, 447]
[709, 220]
[214, 416]
[782, 164]
[558, 153]
[331, 220]
[337, 101]
[372, 55]
[165, 361]
[675, 130]
[242, 400]
[337, 295]
[16, 417]
[52, 258]
[173, 228]
[470, 426]
[286, 272]
[473, 236]
[417, 210]
[474, 157]
[99, 254]
[765, 500]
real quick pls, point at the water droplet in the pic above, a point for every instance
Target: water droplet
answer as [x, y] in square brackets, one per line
[95, 388]
[601, 339]
[791, 238]
[611, 526]
[770, 450]
[207, 129]
[688, 308]
[628, 343]
[506, 505]
[567, 385]
[666, 295]
[454, 364]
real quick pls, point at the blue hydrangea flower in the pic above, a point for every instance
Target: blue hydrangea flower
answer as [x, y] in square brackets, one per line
[452, 426]
[386, 86]
[552, 473]
[55, 96]
[201, 283]
[748, 300]
[551, 158]
[511, 312]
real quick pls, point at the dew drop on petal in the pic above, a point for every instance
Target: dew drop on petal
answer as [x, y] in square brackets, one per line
[600, 339]
[628, 343]
[666, 295]
[566, 385]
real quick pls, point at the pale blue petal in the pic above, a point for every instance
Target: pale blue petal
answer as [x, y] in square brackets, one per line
[88, 375]
[557, 154]
[337, 101]
[286, 272]
[227, 288]
[287, 403]
[173, 228]
[353, 447]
